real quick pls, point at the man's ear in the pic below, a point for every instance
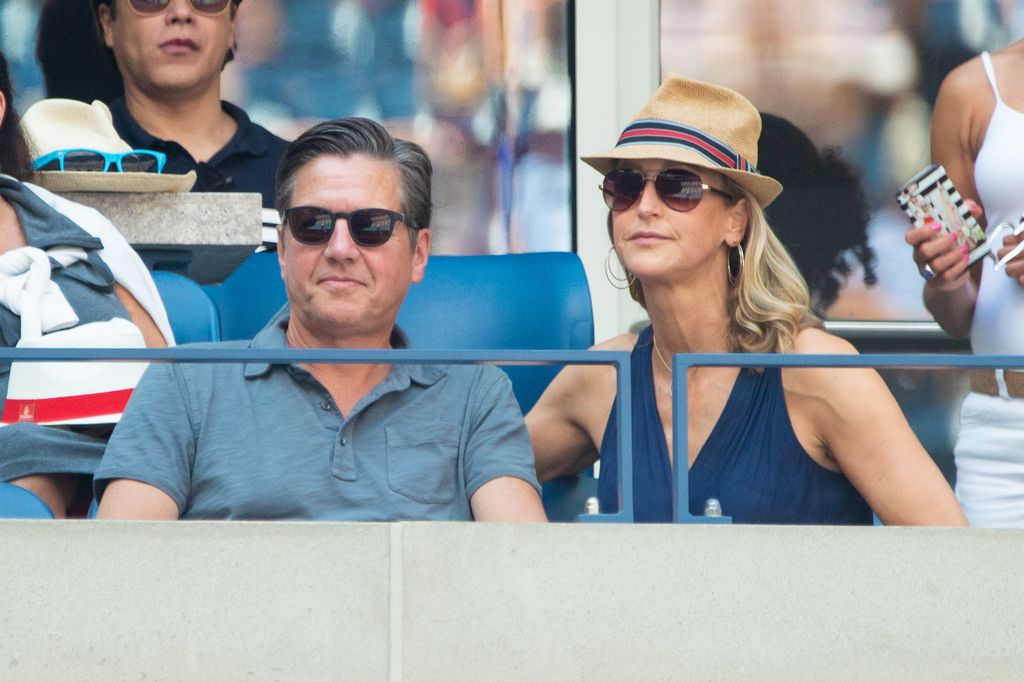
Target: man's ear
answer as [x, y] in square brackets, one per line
[420, 255]
[3, 107]
[280, 249]
[105, 18]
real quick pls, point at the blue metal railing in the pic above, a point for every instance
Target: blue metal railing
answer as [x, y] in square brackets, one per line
[619, 359]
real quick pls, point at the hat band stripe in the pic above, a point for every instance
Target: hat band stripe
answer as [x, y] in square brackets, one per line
[710, 153]
[663, 132]
[672, 129]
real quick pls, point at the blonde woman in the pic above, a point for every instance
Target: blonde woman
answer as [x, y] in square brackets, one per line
[817, 445]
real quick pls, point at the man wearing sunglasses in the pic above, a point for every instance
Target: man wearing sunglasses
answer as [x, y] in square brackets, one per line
[170, 54]
[330, 441]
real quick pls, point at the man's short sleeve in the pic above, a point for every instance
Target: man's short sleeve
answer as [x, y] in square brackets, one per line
[155, 440]
[499, 444]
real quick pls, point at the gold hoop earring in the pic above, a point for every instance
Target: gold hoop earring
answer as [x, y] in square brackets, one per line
[738, 253]
[621, 282]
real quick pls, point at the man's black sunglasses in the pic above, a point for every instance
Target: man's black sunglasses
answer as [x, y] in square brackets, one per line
[368, 226]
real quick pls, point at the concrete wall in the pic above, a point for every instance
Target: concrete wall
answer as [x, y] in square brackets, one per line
[204, 235]
[431, 601]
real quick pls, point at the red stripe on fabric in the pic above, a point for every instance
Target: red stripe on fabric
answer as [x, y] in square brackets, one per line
[65, 408]
[657, 132]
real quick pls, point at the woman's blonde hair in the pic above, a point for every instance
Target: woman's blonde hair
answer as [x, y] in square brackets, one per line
[767, 299]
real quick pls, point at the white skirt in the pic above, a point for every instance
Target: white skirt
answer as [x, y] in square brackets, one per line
[989, 455]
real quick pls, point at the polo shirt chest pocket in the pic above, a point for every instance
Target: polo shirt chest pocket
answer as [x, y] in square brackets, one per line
[423, 462]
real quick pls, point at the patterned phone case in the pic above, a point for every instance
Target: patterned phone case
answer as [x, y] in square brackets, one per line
[930, 193]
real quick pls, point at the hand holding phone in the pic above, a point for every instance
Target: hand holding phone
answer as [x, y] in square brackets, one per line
[930, 197]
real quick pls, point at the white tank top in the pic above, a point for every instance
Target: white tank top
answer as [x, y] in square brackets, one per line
[998, 326]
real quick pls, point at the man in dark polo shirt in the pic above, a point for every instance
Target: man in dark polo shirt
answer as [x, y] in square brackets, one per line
[170, 54]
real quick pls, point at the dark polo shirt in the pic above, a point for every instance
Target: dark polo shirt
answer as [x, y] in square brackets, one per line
[247, 163]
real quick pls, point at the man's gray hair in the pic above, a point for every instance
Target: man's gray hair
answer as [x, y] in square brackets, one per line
[350, 136]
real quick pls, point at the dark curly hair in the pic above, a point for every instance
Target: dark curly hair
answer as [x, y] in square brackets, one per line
[75, 64]
[822, 215]
[14, 157]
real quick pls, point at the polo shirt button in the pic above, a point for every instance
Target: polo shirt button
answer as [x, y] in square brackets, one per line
[325, 406]
[344, 441]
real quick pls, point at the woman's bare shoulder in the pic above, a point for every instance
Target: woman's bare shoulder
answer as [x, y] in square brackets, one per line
[575, 380]
[816, 381]
[813, 341]
[621, 342]
[965, 79]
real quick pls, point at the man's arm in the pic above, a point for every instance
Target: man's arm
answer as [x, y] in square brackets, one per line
[507, 499]
[145, 472]
[500, 473]
[128, 499]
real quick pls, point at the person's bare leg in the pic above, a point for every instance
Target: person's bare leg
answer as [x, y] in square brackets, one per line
[58, 491]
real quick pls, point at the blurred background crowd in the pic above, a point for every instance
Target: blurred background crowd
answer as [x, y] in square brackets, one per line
[485, 86]
[482, 84]
[858, 75]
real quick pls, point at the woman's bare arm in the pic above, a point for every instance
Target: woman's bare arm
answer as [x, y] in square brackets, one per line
[863, 429]
[141, 318]
[961, 116]
[567, 423]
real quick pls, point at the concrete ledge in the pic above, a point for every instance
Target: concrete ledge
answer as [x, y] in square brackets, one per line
[428, 601]
[204, 235]
[193, 601]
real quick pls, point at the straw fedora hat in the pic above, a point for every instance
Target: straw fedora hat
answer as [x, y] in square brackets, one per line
[53, 124]
[700, 124]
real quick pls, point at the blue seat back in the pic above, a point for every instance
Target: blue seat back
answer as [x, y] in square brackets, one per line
[18, 503]
[248, 297]
[516, 301]
[192, 314]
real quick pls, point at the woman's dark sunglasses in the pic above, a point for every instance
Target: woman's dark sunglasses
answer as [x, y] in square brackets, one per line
[155, 6]
[680, 189]
[368, 226]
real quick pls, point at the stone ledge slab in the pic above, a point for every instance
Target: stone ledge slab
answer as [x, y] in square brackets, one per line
[204, 235]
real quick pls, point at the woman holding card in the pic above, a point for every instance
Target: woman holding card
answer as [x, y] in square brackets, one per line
[978, 135]
[807, 445]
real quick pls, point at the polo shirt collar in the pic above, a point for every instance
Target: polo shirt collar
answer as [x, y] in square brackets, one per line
[245, 140]
[131, 132]
[248, 138]
[273, 337]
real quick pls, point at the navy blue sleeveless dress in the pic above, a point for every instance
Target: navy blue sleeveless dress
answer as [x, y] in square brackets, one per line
[752, 461]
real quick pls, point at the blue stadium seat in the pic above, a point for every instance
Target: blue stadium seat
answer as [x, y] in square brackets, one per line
[566, 498]
[521, 301]
[18, 503]
[248, 297]
[517, 301]
[192, 314]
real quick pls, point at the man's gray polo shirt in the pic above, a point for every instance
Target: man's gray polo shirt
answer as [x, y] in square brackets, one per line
[255, 441]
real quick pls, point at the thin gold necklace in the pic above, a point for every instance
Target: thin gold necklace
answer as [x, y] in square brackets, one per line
[665, 365]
